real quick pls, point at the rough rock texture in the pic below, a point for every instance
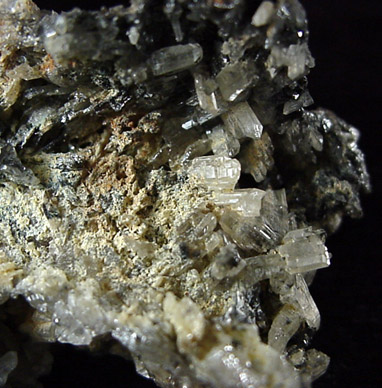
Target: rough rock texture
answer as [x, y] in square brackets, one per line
[162, 182]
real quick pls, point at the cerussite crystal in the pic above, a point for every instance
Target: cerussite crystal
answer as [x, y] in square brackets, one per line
[165, 190]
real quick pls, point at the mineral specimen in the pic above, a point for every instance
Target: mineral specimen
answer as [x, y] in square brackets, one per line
[163, 184]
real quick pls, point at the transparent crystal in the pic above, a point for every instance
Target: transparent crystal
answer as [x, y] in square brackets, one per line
[223, 142]
[227, 263]
[175, 58]
[177, 142]
[298, 102]
[249, 234]
[199, 148]
[258, 233]
[174, 12]
[197, 226]
[275, 213]
[304, 251]
[206, 92]
[242, 121]
[199, 117]
[216, 172]
[306, 303]
[213, 242]
[234, 78]
[316, 363]
[284, 326]
[263, 267]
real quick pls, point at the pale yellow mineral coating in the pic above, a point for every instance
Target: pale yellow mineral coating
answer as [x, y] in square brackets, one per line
[104, 254]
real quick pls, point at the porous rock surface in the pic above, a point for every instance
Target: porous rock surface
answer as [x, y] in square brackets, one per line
[163, 184]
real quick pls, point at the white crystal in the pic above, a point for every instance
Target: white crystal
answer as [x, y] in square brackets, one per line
[216, 172]
[293, 290]
[133, 34]
[306, 303]
[263, 14]
[242, 121]
[304, 251]
[187, 319]
[245, 201]
[141, 248]
[283, 327]
[206, 226]
[175, 58]
[296, 57]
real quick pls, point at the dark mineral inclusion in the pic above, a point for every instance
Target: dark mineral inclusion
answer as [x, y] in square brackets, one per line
[164, 187]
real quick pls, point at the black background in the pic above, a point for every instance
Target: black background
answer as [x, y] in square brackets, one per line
[345, 41]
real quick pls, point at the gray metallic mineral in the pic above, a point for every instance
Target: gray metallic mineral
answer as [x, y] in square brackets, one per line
[163, 182]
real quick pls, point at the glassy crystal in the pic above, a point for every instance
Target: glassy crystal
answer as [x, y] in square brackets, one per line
[300, 101]
[242, 121]
[258, 233]
[304, 251]
[222, 142]
[284, 326]
[206, 92]
[234, 79]
[316, 363]
[199, 117]
[306, 303]
[175, 58]
[228, 263]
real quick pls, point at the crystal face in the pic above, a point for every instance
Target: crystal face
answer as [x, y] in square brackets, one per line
[242, 122]
[166, 191]
[175, 58]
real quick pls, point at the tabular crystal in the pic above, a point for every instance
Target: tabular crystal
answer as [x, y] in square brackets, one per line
[218, 172]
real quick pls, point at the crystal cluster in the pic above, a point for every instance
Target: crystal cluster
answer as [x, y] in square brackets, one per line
[163, 187]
